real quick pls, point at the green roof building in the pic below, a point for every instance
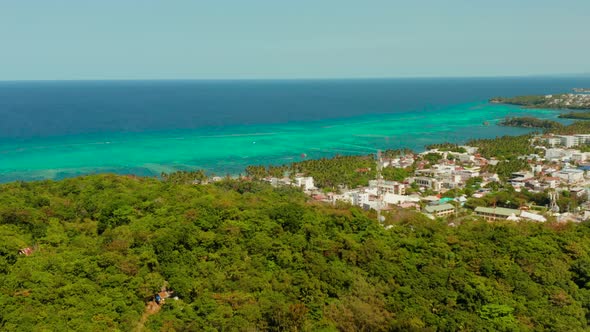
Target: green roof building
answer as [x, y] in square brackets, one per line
[496, 212]
[440, 210]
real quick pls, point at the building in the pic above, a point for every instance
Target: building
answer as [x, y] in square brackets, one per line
[441, 210]
[427, 182]
[570, 175]
[579, 157]
[496, 213]
[391, 198]
[553, 141]
[306, 183]
[571, 140]
[388, 186]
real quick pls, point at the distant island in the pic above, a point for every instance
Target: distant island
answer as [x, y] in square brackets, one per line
[580, 100]
[529, 122]
[576, 115]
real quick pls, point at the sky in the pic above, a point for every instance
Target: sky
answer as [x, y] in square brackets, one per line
[290, 39]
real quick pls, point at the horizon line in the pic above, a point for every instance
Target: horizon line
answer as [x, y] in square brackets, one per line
[300, 78]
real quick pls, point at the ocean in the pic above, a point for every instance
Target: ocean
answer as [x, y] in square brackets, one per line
[57, 129]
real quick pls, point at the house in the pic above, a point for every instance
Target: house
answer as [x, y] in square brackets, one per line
[441, 210]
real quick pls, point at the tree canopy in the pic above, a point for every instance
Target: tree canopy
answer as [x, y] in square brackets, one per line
[242, 255]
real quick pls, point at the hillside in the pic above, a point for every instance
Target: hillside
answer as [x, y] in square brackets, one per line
[243, 256]
[529, 122]
[574, 101]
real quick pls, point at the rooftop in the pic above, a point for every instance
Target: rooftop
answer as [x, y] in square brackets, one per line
[497, 211]
[438, 208]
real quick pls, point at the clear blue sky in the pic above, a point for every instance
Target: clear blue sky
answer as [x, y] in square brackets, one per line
[235, 39]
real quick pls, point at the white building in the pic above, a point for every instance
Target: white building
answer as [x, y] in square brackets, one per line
[579, 156]
[570, 175]
[390, 198]
[567, 140]
[572, 140]
[305, 182]
[427, 182]
[388, 186]
[553, 141]
[555, 153]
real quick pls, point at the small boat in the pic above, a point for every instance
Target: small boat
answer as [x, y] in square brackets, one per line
[485, 123]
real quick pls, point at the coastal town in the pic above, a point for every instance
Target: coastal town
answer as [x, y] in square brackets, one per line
[579, 99]
[457, 184]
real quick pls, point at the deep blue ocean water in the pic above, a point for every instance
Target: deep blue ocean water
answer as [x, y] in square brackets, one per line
[56, 129]
[41, 109]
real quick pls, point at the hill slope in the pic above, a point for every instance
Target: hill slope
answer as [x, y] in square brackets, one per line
[244, 256]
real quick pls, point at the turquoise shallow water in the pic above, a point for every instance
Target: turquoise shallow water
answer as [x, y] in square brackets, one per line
[229, 149]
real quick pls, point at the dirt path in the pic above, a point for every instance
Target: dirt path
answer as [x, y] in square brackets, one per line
[151, 308]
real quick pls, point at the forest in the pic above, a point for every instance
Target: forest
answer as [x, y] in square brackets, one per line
[243, 256]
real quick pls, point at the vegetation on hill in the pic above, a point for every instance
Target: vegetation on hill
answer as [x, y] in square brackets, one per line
[578, 127]
[529, 122]
[556, 101]
[528, 101]
[576, 115]
[331, 173]
[505, 147]
[244, 256]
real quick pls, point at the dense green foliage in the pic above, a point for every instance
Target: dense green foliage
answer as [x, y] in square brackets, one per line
[350, 171]
[529, 122]
[578, 127]
[505, 168]
[535, 101]
[185, 177]
[505, 147]
[244, 256]
[396, 174]
[330, 173]
[394, 153]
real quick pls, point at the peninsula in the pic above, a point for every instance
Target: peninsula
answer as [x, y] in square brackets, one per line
[574, 101]
[576, 115]
[529, 122]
